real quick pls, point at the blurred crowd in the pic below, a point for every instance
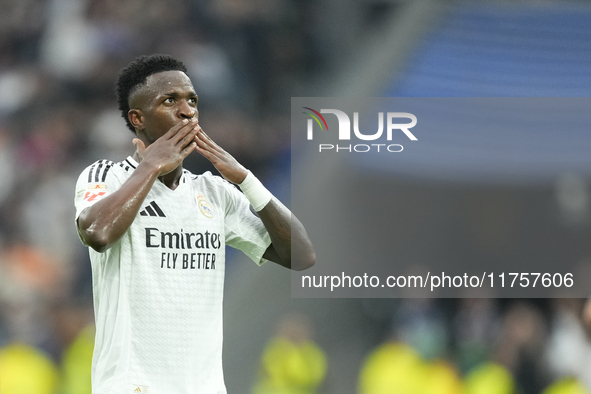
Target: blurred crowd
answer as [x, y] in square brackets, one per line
[442, 346]
[482, 345]
[428, 346]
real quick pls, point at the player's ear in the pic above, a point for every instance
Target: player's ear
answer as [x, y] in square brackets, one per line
[136, 118]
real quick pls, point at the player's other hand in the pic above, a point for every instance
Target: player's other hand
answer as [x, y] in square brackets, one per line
[224, 162]
[169, 151]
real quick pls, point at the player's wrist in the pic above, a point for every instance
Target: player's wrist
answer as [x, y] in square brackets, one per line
[237, 178]
[256, 193]
[151, 168]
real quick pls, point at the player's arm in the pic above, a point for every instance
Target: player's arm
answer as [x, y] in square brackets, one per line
[290, 245]
[104, 223]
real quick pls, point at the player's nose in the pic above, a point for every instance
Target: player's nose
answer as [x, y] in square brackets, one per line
[187, 111]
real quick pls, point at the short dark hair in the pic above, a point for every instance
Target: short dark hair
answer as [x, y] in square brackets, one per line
[136, 73]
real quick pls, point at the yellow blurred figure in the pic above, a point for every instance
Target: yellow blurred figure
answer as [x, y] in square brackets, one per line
[26, 370]
[77, 363]
[489, 378]
[291, 362]
[393, 368]
[292, 368]
[566, 386]
[442, 377]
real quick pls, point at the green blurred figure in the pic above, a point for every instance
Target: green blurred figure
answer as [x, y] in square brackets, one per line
[26, 370]
[77, 363]
[292, 363]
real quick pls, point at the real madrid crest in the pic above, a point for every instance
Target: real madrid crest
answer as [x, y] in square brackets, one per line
[204, 206]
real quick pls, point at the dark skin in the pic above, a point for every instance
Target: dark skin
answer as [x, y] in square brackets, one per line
[165, 117]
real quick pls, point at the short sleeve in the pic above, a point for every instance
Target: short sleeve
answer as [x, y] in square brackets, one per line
[244, 230]
[95, 183]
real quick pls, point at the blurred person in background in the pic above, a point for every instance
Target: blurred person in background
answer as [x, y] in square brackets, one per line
[520, 346]
[568, 351]
[292, 363]
[26, 370]
[475, 326]
[395, 367]
[489, 378]
[567, 385]
[586, 316]
[391, 366]
[158, 305]
[77, 363]
[421, 323]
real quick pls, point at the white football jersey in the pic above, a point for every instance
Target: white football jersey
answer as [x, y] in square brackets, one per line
[158, 291]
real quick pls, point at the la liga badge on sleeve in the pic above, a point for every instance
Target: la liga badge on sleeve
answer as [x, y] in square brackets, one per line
[95, 191]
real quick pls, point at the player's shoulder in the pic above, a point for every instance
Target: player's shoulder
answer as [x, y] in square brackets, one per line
[97, 171]
[104, 169]
[127, 165]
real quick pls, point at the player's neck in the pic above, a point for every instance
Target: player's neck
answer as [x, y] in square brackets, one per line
[172, 179]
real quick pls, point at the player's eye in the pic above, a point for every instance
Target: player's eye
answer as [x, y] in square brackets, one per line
[193, 100]
[169, 100]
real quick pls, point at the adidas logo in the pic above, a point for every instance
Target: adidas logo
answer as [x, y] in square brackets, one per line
[138, 390]
[152, 209]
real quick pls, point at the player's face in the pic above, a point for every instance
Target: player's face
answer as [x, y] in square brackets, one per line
[168, 98]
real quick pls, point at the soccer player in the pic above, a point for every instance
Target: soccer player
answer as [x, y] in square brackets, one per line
[157, 236]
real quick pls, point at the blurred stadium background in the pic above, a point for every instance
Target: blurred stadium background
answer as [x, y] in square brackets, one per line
[58, 64]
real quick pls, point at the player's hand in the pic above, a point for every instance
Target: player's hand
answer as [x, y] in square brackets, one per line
[224, 162]
[169, 151]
